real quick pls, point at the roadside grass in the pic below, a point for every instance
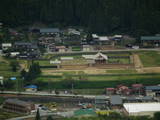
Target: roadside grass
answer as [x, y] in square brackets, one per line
[150, 59]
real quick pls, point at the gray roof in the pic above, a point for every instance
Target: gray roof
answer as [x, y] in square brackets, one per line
[150, 38]
[49, 30]
[116, 100]
[29, 44]
[18, 102]
[152, 87]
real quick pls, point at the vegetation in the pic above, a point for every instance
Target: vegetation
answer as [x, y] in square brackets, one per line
[150, 59]
[133, 16]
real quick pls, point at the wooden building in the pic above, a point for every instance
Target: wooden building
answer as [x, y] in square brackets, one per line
[18, 106]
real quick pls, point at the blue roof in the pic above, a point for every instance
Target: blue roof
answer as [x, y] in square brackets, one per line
[31, 86]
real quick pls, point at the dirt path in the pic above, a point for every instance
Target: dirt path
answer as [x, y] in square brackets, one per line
[138, 63]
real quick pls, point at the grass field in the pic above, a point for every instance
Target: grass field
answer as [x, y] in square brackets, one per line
[6, 115]
[150, 59]
[5, 69]
[97, 81]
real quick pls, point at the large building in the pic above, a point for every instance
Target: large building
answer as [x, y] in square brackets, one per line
[18, 106]
[151, 41]
[141, 109]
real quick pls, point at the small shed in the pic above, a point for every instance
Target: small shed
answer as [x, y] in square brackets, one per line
[31, 88]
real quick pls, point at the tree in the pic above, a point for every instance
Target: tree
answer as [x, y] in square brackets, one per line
[34, 72]
[23, 74]
[37, 115]
[157, 116]
[14, 66]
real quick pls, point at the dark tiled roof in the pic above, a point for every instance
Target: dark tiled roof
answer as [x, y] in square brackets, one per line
[18, 102]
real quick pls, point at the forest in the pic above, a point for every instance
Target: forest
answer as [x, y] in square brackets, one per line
[135, 17]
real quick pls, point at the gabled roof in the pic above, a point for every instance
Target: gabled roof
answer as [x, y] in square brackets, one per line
[18, 102]
[150, 38]
[99, 54]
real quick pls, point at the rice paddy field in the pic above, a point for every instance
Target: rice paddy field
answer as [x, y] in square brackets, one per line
[93, 80]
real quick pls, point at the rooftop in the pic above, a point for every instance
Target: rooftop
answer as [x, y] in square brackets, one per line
[18, 102]
[116, 100]
[152, 87]
[49, 30]
[150, 38]
[141, 107]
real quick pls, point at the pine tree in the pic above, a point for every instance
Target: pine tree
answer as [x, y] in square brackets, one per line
[37, 115]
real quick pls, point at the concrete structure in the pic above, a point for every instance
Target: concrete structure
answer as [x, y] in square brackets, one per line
[18, 106]
[140, 109]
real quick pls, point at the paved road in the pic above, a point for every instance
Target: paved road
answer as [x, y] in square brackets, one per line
[46, 94]
[116, 50]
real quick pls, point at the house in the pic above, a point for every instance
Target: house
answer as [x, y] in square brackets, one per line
[72, 31]
[31, 88]
[49, 31]
[87, 48]
[18, 106]
[6, 46]
[141, 109]
[152, 90]
[14, 54]
[99, 58]
[51, 47]
[25, 45]
[151, 41]
[110, 91]
[116, 101]
[123, 90]
[101, 102]
[45, 41]
[117, 37]
[61, 48]
[138, 89]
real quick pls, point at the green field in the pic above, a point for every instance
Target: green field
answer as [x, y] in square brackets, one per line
[6, 115]
[150, 59]
[5, 69]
